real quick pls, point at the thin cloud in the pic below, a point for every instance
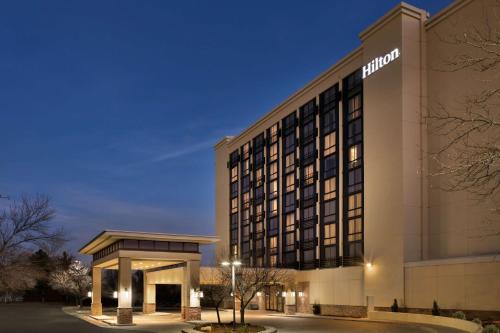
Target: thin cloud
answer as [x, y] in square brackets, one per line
[182, 152]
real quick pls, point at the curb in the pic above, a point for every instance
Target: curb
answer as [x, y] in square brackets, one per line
[267, 329]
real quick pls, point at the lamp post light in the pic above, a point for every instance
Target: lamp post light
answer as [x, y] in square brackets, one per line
[233, 263]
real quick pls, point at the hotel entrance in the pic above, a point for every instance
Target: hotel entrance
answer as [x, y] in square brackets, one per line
[274, 298]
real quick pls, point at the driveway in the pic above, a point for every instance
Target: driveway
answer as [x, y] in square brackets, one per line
[48, 318]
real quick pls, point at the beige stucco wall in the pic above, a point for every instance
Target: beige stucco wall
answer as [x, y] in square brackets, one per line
[458, 225]
[343, 286]
[469, 283]
[222, 197]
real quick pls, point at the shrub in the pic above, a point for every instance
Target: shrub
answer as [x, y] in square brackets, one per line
[394, 306]
[477, 321]
[435, 309]
[458, 315]
[491, 329]
[316, 309]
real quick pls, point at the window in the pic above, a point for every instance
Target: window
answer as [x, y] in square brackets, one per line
[245, 184]
[330, 166]
[308, 192]
[245, 215]
[309, 174]
[273, 132]
[258, 158]
[290, 182]
[246, 200]
[289, 143]
[330, 189]
[354, 156]
[290, 222]
[355, 180]
[330, 208]
[273, 207]
[258, 176]
[273, 170]
[308, 151]
[330, 143]
[246, 150]
[273, 189]
[289, 163]
[273, 226]
[308, 130]
[354, 107]
[273, 152]
[273, 260]
[234, 189]
[330, 234]
[354, 132]
[234, 205]
[259, 193]
[308, 213]
[290, 202]
[273, 242]
[234, 173]
[308, 234]
[290, 241]
[246, 167]
[259, 209]
[355, 205]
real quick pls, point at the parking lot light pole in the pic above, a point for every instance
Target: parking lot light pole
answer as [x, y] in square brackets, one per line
[233, 264]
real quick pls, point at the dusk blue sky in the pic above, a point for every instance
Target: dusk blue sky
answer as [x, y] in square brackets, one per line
[112, 107]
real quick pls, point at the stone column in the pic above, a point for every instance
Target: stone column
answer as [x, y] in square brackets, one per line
[190, 301]
[96, 307]
[124, 311]
[149, 296]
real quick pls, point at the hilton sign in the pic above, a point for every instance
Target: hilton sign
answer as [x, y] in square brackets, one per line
[380, 62]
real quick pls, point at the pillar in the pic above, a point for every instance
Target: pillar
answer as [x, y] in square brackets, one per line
[96, 307]
[190, 300]
[124, 311]
[290, 304]
[149, 296]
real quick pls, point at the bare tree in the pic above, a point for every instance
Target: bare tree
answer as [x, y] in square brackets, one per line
[251, 280]
[469, 157]
[26, 223]
[74, 280]
[23, 225]
[216, 287]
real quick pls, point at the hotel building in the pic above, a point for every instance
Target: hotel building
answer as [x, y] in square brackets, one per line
[334, 182]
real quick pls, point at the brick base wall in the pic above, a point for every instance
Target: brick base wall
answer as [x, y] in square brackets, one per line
[343, 310]
[124, 316]
[189, 313]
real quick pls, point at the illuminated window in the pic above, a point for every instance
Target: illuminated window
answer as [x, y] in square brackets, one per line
[330, 189]
[354, 156]
[355, 205]
[245, 215]
[274, 130]
[246, 200]
[273, 242]
[273, 152]
[290, 241]
[290, 222]
[234, 173]
[234, 205]
[245, 167]
[289, 162]
[330, 234]
[273, 260]
[273, 207]
[330, 142]
[290, 182]
[309, 174]
[273, 170]
[273, 189]
[354, 107]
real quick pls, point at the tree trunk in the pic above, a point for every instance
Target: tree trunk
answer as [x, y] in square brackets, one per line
[242, 314]
[218, 315]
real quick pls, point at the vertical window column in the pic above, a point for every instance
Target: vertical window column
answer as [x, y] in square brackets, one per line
[329, 103]
[272, 229]
[289, 165]
[258, 200]
[353, 222]
[308, 177]
[245, 203]
[233, 203]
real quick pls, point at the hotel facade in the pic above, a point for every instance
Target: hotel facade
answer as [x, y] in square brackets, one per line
[334, 182]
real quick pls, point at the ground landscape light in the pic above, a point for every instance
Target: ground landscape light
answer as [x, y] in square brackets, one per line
[225, 263]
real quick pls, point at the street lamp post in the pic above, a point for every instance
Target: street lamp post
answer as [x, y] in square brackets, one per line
[233, 263]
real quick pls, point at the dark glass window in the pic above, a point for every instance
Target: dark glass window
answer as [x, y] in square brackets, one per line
[308, 150]
[234, 189]
[290, 202]
[245, 184]
[289, 143]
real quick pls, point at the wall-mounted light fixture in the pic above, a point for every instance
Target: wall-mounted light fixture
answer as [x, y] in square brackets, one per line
[259, 294]
[89, 294]
[283, 293]
[292, 293]
[115, 294]
[301, 294]
[369, 264]
[126, 293]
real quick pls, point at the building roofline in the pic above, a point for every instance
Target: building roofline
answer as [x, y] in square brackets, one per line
[107, 237]
[223, 141]
[314, 82]
[401, 8]
[446, 12]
